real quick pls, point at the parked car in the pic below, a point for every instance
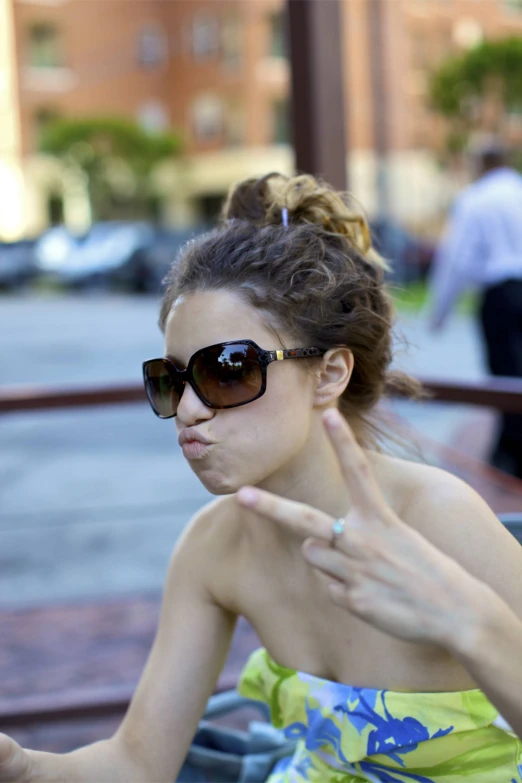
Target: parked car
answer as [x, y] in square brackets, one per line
[53, 250]
[409, 256]
[151, 264]
[132, 256]
[17, 263]
[92, 259]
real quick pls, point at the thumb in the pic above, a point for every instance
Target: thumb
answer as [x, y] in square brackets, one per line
[15, 762]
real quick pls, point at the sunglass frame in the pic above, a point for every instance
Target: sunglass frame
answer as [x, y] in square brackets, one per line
[265, 358]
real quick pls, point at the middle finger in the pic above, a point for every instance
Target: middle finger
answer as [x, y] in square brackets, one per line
[355, 467]
[329, 561]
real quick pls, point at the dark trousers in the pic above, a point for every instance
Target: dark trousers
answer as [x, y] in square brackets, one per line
[501, 319]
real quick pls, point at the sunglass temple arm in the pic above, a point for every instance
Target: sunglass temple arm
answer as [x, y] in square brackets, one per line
[293, 353]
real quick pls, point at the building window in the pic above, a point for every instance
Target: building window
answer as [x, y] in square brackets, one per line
[153, 117]
[42, 120]
[235, 123]
[232, 43]
[430, 48]
[207, 118]
[152, 46]
[467, 33]
[420, 52]
[278, 40]
[281, 121]
[44, 47]
[205, 37]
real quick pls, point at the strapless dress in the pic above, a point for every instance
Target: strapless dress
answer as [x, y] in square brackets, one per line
[346, 734]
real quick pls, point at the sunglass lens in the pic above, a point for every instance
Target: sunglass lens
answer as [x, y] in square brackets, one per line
[162, 391]
[228, 375]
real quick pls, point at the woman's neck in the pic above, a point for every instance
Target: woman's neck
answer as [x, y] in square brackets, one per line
[312, 477]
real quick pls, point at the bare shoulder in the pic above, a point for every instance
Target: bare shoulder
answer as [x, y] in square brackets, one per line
[214, 524]
[209, 546]
[450, 514]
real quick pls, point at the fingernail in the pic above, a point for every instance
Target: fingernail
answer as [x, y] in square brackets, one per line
[312, 553]
[246, 496]
[313, 548]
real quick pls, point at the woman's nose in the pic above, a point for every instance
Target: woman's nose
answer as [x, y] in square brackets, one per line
[190, 408]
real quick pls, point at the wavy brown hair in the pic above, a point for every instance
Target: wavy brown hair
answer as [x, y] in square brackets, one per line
[318, 280]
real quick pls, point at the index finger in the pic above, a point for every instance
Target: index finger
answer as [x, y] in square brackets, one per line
[364, 490]
[298, 517]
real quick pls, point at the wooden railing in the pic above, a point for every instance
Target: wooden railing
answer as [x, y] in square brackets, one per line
[503, 394]
[32, 398]
[101, 702]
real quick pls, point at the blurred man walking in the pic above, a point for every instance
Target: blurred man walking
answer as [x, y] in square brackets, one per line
[483, 250]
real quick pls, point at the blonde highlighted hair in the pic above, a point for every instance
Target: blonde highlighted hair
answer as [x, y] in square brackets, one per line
[309, 201]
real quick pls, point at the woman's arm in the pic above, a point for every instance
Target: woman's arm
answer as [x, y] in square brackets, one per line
[189, 651]
[490, 648]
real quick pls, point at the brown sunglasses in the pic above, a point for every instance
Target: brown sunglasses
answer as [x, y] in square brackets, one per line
[224, 375]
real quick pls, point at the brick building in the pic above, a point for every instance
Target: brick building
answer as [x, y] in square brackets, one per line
[217, 71]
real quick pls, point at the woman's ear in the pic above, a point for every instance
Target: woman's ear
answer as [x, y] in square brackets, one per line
[333, 375]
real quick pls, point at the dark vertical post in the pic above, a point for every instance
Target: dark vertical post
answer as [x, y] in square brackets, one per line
[319, 131]
[379, 101]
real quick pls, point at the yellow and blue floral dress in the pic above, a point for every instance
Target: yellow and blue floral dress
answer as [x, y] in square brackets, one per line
[346, 734]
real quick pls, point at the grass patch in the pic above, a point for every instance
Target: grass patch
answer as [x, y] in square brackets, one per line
[409, 298]
[413, 297]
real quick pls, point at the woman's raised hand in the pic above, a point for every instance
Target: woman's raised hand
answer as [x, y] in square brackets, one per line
[383, 571]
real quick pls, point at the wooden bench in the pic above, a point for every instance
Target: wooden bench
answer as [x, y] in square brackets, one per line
[69, 671]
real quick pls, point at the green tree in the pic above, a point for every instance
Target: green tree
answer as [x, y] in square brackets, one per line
[116, 157]
[479, 89]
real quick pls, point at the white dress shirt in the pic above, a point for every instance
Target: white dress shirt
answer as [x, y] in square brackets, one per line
[483, 243]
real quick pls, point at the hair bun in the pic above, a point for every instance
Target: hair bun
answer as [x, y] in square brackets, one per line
[249, 200]
[308, 200]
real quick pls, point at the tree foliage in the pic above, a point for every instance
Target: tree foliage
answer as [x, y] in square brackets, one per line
[116, 156]
[490, 72]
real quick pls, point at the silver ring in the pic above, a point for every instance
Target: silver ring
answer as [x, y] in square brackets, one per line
[337, 530]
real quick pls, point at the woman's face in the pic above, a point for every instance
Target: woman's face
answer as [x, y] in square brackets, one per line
[250, 443]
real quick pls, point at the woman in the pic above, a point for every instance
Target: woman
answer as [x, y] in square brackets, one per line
[290, 276]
